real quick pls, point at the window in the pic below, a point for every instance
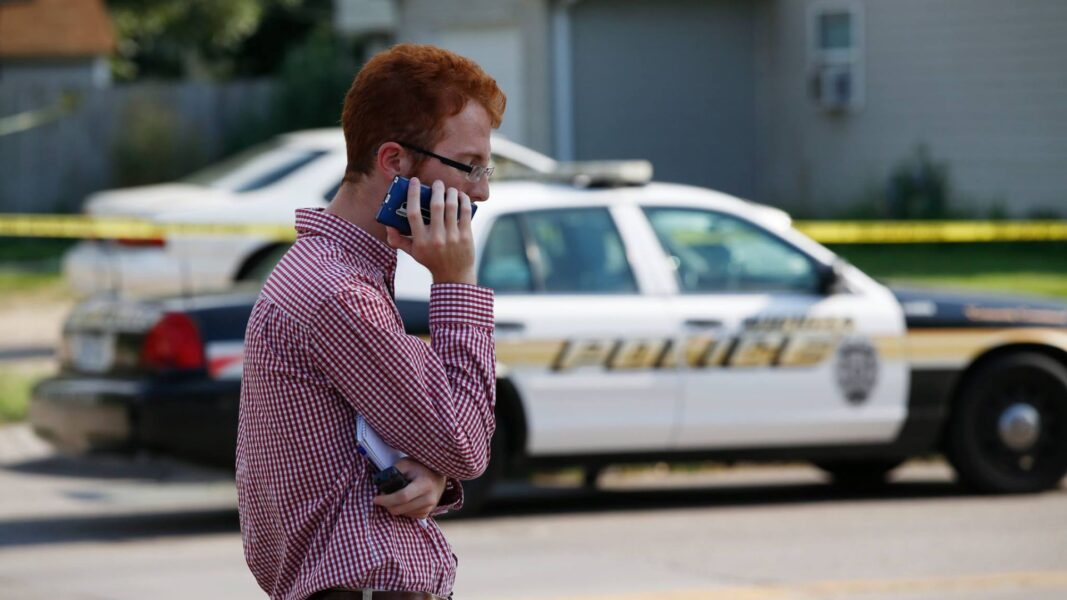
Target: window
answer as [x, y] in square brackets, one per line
[504, 266]
[835, 55]
[255, 168]
[567, 251]
[332, 191]
[835, 30]
[716, 253]
[579, 251]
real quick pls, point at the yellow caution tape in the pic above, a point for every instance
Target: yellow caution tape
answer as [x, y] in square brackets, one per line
[911, 232]
[83, 226]
[827, 232]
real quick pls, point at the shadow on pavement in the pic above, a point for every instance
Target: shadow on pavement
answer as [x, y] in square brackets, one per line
[115, 468]
[29, 532]
[515, 499]
[26, 352]
[539, 501]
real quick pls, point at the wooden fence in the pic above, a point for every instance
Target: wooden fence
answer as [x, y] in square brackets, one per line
[57, 146]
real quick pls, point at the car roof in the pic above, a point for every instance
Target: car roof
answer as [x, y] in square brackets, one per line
[333, 138]
[512, 196]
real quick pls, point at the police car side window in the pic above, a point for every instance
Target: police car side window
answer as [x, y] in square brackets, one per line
[330, 193]
[579, 251]
[714, 252]
[504, 266]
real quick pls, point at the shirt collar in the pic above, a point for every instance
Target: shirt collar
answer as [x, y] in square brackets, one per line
[378, 255]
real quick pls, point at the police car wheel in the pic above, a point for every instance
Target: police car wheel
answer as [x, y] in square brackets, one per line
[1008, 429]
[859, 474]
[259, 266]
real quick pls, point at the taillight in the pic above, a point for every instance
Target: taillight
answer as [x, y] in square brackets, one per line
[173, 343]
[141, 243]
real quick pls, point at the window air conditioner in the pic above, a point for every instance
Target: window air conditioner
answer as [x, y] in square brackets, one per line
[834, 87]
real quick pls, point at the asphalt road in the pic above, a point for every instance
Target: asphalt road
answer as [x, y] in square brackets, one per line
[76, 530]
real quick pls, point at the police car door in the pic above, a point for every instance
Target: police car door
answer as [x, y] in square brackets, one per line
[769, 358]
[576, 335]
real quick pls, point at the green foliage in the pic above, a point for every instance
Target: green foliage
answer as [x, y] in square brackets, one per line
[918, 188]
[153, 146]
[32, 250]
[1016, 267]
[205, 38]
[312, 82]
[314, 78]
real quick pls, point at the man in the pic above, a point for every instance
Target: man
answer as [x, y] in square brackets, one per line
[325, 343]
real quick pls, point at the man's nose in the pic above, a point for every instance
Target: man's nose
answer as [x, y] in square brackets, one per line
[479, 192]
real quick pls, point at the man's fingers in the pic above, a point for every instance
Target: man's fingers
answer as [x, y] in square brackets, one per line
[466, 210]
[437, 210]
[414, 206]
[451, 212]
[419, 508]
[399, 497]
[415, 501]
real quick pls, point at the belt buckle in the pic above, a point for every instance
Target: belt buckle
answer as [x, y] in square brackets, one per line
[368, 594]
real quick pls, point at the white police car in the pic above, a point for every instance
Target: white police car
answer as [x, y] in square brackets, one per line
[262, 185]
[639, 322]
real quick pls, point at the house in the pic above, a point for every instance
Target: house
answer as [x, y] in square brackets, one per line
[804, 104]
[55, 43]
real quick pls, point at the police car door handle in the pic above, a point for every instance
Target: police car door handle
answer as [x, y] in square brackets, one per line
[703, 323]
[509, 326]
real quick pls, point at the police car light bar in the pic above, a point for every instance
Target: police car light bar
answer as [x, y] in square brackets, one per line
[606, 173]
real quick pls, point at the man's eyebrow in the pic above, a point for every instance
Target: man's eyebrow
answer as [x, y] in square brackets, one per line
[475, 157]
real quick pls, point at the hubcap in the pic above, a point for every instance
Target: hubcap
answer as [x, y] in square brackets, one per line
[1019, 427]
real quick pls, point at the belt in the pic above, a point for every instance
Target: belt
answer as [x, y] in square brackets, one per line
[336, 594]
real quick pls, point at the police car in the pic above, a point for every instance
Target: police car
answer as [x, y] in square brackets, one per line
[639, 321]
[260, 186]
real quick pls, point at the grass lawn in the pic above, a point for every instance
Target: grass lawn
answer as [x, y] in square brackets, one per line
[15, 385]
[30, 270]
[1025, 268]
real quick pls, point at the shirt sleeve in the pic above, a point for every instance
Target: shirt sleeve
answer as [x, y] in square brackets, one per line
[432, 402]
[451, 499]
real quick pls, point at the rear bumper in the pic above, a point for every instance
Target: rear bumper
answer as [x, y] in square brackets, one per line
[190, 420]
[93, 267]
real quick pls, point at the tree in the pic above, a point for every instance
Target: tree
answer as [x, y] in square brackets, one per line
[198, 38]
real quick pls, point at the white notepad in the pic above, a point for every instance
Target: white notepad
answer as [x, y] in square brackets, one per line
[370, 445]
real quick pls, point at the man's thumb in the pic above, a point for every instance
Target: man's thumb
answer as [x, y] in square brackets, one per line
[392, 235]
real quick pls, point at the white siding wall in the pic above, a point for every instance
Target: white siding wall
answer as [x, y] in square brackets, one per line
[982, 82]
[521, 66]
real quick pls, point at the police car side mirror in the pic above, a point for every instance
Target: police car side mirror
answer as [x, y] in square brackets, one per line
[832, 278]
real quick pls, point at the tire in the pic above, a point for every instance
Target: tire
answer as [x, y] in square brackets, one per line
[260, 265]
[859, 474]
[980, 446]
[477, 492]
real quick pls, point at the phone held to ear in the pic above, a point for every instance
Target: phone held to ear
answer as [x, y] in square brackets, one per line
[394, 212]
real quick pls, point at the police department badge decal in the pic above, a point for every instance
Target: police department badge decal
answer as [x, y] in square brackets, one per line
[857, 369]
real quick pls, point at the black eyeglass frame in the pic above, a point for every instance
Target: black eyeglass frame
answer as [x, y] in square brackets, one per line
[475, 173]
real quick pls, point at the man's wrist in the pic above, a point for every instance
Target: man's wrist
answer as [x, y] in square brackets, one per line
[467, 278]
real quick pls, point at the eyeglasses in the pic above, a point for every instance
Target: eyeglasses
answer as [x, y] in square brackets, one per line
[475, 173]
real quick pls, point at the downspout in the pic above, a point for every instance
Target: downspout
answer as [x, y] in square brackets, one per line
[564, 79]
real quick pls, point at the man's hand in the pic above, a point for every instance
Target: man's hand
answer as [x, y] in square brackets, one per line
[420, 497]
[445, 246]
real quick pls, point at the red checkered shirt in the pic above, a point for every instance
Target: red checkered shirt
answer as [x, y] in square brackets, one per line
[324, 343]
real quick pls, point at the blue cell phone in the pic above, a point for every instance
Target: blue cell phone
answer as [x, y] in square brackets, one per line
[393, 211]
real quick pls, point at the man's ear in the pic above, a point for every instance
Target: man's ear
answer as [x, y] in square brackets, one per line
[392, 160]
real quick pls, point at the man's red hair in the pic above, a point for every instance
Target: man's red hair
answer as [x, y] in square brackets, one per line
[405, 94]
